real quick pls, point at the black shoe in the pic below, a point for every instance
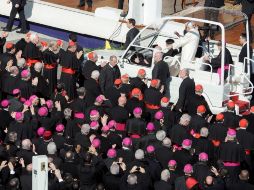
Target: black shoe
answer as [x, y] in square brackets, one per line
[6, 29]
[81, 5]
[123, 14]
[21, 32]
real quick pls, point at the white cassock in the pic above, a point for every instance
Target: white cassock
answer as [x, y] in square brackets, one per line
[189, 43]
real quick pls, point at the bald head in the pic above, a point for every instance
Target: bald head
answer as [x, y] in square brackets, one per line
[122, 100]
[209, 180]
[244, 175]
[184, 73]
[132, 179]
[26, 144]
[158, 56]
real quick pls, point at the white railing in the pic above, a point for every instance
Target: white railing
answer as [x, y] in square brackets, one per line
[245, 90]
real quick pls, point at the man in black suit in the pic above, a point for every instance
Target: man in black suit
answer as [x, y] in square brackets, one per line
[132, 33]
[248, 9]
[17, 7]
[160, 70]
[171, 52]
[216, 62]
[243, 53]
[109, 74]
[186, 91]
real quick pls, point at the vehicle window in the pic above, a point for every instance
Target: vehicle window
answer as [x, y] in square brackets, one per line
[140, 56]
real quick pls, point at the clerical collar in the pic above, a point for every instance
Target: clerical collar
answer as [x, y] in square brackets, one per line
[111, 65]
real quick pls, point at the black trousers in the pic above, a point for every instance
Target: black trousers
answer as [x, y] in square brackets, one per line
[14, 12]
[120, 4]
[89, 2]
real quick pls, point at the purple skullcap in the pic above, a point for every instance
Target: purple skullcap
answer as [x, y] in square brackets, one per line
[137, 111]
[187, 143]
[79, 115]
[22, 100]
[25, 73]
[188, 169]
[172, 163]
[40, 131]
[150, 127]
[159, 115]
[105, 128]
[94, 113]
[49, 104]
[231, 133]
[43, 111]
[99, 99]
[60, 128]
[127, 141]
[5, 103]
[112, 124]
[19, 116]
[150, 149]
[32, 98]
[96, 143]
[16, 91]
[94, 124]
[111, 153]
[28, 103]
[203, 156]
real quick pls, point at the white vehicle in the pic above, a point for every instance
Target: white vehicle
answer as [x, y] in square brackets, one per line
[217, 90]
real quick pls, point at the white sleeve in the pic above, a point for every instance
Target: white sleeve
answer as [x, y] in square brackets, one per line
[182, 41]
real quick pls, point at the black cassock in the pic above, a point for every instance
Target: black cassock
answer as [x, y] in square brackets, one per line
[4, 58]
[9, 83]
[32, 54]
[136, 126]
[70, 64]
[26, 88]
[42, 87]
[50, 69]
[2, 42]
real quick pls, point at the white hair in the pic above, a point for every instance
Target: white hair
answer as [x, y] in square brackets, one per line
[165, 175]
[38, 66]
[189, 24]
[85, 129]
[33, 36]
[95, 75]
[204, 132]
[167, 142]
[21, 62]
[161, 135]
[51, 148]
[185, 118]
[26, 144]
[132, 179]
[139, 154]
[114, 169]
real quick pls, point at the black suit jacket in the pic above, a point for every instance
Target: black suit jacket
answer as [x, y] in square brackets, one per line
[214, 3]
[108, 76]
[186, 91]
[243, 53]
[161, 71]
[131, 34]
[247, 6]
[216, 62]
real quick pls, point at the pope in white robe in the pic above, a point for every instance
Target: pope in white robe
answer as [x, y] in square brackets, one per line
[189, 43]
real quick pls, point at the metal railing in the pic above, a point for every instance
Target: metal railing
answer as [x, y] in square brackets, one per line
[251, 87]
